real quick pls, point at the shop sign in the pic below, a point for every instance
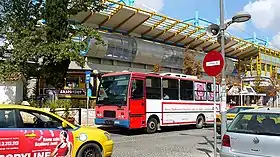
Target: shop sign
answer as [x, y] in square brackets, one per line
[67, 91]
[72, 91]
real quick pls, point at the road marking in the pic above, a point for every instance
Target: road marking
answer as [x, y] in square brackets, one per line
[213, 63]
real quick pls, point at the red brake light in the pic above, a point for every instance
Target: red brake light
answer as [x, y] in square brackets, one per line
[226, 141]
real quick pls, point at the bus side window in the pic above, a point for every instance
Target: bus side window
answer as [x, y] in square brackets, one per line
[200, 91]
[210, 92]
[137, 89]
[170, 89]
[186, 90]
[153, 88]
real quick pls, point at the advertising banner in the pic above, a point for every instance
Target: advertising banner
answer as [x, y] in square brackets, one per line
[36, 143]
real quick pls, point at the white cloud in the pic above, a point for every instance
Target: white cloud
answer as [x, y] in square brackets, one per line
[276, 40]
[266, 16]
[153, 5]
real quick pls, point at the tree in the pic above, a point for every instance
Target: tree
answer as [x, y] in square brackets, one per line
[39, 37]
[190, 65]
[219, 78]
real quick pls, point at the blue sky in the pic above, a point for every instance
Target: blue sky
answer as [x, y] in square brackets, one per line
[209, 10]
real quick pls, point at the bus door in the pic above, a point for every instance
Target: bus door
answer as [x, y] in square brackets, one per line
[137, 103]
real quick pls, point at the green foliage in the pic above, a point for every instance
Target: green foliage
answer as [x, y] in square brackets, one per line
[44, 50]
[190, 65]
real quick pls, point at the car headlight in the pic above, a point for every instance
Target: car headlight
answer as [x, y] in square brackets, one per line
[107, 135]
[83, 137]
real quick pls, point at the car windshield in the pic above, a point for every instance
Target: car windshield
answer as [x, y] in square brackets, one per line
[113, 90]
[256, 123]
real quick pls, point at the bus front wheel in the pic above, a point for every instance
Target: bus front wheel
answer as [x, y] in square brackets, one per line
[200, 122]
[152, 125]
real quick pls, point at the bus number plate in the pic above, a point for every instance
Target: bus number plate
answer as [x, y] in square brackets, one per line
[109, 122]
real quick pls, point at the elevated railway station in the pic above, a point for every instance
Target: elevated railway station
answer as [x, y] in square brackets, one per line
[137, 40]
[135, 23]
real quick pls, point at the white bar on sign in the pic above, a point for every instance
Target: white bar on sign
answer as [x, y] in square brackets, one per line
[213, 63]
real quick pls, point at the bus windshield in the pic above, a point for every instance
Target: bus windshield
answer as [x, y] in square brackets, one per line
[113, 90]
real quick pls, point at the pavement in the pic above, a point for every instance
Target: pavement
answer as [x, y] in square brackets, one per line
[170, 142]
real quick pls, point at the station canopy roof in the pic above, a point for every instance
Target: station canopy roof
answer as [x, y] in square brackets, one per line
[148, 25]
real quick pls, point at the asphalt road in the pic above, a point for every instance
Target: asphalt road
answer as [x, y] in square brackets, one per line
[170, 142]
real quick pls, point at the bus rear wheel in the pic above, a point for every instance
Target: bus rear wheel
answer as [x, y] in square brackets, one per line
[200, 122]
[152, 126]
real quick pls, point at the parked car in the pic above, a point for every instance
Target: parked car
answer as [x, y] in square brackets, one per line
[29, 131]
[253, 133]
[231, 113]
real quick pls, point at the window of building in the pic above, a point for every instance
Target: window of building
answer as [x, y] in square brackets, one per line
[170, 89]
[172, 57]
[200, 91]
[153, 88]
[268, 67]
[263, 67]
[186, 90]
[75, 81]
[121, 48]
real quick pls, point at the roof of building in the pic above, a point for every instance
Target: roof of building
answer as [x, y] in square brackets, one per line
[128, 20]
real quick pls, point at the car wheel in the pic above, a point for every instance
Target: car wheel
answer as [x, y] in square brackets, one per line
[200, 122]
[152, 125]
[90, 150]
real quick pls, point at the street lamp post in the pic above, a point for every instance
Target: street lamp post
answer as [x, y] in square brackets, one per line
[241, 89]
[223, 83]
[241, 17]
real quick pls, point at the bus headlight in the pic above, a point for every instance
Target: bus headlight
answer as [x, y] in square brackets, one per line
[107, 135]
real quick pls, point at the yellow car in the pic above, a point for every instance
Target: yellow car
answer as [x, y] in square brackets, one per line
[30, 132]
[231, 113]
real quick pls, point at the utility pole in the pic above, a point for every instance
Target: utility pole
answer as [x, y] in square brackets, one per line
[223, 83]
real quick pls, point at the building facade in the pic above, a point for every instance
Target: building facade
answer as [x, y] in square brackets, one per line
[138, 39]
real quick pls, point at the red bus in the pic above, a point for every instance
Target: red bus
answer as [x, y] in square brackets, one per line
[137, 100]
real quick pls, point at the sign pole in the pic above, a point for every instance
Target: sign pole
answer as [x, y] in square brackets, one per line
[88, 76]
[87, 102]
[241, 89]
[213, 64]
[215, 121]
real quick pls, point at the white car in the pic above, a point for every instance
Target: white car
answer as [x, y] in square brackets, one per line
[253, 133]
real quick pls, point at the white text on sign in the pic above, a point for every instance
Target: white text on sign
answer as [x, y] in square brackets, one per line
[213, 63]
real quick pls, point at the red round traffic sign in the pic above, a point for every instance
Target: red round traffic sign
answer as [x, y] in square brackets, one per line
[213, 63]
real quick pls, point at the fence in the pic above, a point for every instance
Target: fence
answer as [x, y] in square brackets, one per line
[80, 114]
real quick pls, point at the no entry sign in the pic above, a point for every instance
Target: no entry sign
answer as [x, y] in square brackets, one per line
[213, 63]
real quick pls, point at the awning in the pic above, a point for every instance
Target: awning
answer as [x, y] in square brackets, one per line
[153, 26]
